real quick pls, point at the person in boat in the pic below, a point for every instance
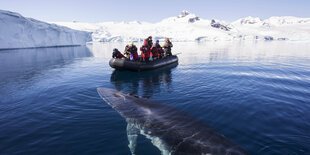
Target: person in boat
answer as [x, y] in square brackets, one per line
[133, 52]
[157, 50]
[127, 52]
[161, 52]
[117, 54]
[149, 41]
[154, 52]
[167, 47]
[145, 51]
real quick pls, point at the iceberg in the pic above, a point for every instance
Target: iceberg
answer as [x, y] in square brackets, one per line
[21, 32]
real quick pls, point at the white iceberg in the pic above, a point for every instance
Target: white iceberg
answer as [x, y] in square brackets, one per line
[17, 31]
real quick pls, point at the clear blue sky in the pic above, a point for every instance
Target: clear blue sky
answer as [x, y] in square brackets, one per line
[153, 10]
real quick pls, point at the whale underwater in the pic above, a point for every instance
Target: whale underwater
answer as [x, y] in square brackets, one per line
[171, 130]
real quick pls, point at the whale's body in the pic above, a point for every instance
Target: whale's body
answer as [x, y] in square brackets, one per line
[171, 130]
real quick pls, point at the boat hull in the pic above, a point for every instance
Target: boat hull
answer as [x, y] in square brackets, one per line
[123, 64]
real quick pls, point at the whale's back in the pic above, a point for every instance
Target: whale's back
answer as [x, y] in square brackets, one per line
[179, 131]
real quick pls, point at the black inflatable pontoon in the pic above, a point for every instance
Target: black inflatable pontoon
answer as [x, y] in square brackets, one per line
[125, 64]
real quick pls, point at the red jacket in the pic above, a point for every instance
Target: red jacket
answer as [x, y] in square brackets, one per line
[145, 51]
[158, 50]
[154, 51]
[135, 55]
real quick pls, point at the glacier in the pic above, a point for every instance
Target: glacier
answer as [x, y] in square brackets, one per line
[189, 27]
[21, 32]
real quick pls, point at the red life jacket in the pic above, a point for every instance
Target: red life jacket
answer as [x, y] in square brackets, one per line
[121, 55]
[135, 55]
[142, 54]
[154, 51]
[145, 51]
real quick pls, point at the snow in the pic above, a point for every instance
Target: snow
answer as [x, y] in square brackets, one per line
[20, 32]
[248, 20]
[189, 27]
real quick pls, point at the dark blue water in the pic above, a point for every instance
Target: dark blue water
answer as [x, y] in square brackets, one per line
[256, 94]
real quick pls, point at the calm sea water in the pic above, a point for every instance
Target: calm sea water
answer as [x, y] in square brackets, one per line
[256, 94]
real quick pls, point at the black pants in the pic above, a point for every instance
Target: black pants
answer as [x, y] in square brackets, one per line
[144, 59]
[168, 53]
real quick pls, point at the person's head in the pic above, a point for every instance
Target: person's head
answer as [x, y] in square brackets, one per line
[145, 42]
[132, 43]
[150, 37]
[115, 50]
[167, 39]
[157, 41]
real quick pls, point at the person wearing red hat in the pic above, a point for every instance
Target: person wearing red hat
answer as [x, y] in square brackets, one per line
[145, 51]
[149, 41]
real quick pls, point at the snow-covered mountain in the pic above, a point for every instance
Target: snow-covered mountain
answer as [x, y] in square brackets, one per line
[17, 31]
[189, 27]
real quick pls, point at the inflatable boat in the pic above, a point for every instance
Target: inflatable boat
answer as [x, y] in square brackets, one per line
[125, 64]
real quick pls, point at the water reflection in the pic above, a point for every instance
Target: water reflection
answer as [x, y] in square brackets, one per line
[144, 84]
[20, 67]
[211, 52]
[215, 56]
[16, 61]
